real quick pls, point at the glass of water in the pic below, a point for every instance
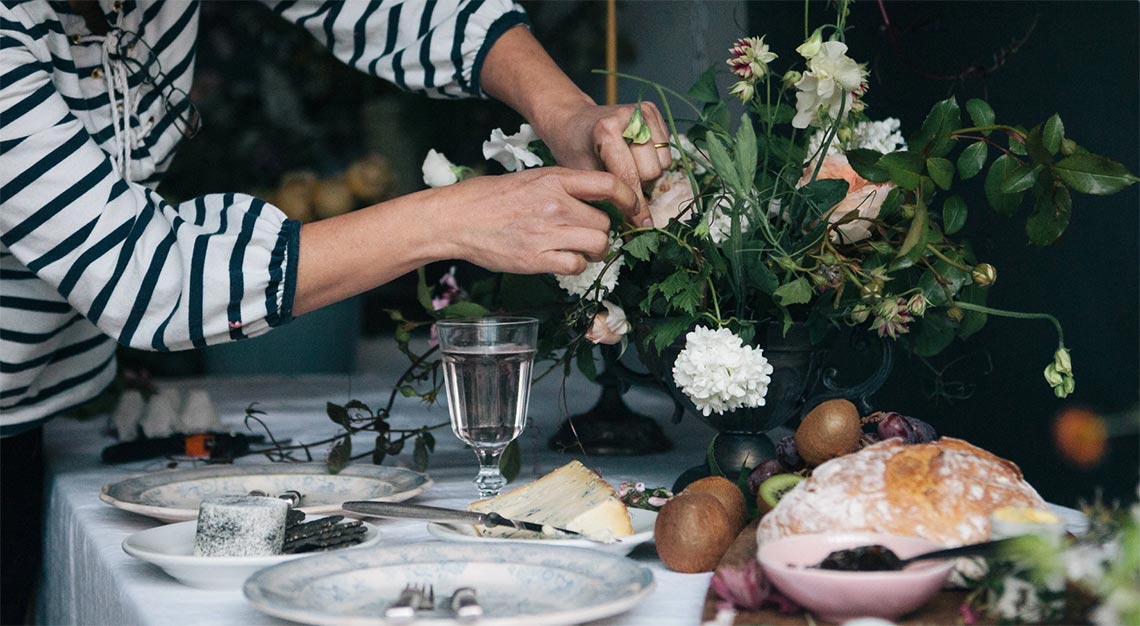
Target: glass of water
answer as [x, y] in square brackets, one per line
[487, 368]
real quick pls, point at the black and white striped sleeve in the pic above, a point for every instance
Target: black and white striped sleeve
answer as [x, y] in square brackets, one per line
[432, 47]
[151, 274]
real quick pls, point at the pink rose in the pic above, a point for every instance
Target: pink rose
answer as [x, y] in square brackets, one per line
[864, 198]
[671, 195]
[609, 327]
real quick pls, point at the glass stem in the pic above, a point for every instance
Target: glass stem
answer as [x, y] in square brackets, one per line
[489, 481]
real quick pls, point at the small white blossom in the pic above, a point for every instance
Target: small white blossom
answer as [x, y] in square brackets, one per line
[609, 326]
[720, 220]
[438, 170]
[719, 373]
[833, 80]
[583, 283]
[882, 136]
[700, 163]
[513, 151]
[1019, 600]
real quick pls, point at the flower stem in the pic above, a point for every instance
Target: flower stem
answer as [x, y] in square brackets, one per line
[1016, 315]
[938, 254]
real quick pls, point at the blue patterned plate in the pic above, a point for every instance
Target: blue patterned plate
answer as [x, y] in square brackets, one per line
[174, 496]
[517, 585]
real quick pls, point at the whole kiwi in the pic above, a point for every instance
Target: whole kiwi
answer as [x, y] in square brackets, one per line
[692, 533]
[730, 496]
[829, 430]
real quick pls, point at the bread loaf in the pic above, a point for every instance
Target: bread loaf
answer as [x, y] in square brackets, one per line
[942, 491]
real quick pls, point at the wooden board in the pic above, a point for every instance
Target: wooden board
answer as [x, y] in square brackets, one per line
[942, 610]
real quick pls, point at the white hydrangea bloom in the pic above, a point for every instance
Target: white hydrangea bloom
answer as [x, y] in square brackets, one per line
[513, 151]
[720, 221]
[719, 373]
[583, 283]
[879, 135]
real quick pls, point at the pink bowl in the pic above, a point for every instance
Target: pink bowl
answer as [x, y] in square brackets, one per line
[836, 596]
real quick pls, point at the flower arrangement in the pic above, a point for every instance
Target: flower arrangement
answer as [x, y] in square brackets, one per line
[803, 210]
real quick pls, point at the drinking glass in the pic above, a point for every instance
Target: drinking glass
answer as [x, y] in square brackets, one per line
[486, 369]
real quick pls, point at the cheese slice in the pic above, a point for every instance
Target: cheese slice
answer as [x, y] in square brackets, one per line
[571, 497]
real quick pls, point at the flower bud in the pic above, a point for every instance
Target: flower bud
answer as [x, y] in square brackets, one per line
[984, 274]
[1063, 361]
[955, 314]
[637, 131]
[812, 46]
[609, 327]
[860, 313]
[858, 105]
[844, 134]
[917, 304]
[744, 90]
[908, 211]
[791, 77]
[871, 290]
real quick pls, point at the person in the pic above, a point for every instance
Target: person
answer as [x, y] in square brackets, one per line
[93, 105]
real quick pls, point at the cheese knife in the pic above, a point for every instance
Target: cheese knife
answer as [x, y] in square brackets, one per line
[439, 514]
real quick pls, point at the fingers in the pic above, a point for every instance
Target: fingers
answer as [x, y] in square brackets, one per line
[659, 131]
[618, 159]
[595, 186]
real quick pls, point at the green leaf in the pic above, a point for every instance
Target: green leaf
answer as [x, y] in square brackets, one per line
[972, 321]
[933, 335]
[1093, 174]
[666, 332]
[916, 235]
[408, 391]
[1050, 217]
[463, 309]
[357, 405]
[981, 113]
[339, 456]
[905, 167]
[953, 214]
[866, 164]
[642, 247]
[796, 292]
[338, 414]
[824, 193]
[944, 278]
[704, 90]
[1053, 134]
[933, 138]
[681, 291]
[721, 161]
[758, 273]
[510, 462]
[379, 450]
[420, 455]
[746, 151]
[891, 204]
[941, 170]
[1021, 178]
[1003, 203]
[972, 159]
[585, 360]
[1017, 146]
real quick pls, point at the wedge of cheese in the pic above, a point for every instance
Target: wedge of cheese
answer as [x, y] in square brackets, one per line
[571, 497]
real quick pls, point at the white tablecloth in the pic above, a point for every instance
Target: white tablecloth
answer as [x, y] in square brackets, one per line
[88, 579]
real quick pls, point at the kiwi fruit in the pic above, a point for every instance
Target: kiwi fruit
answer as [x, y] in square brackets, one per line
[829, 430]
[730, 496]
[773, 489]
[692, 532]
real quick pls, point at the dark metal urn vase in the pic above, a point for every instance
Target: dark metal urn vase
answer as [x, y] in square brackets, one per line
[804, 374]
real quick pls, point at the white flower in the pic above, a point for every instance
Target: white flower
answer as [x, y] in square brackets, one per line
[583, 283]
[609, 326]
[719, 373]
[671, 194]
[879, 135]
[720, 220]
[833, 79]
[512, 150]
[811, 47]
[438, 170]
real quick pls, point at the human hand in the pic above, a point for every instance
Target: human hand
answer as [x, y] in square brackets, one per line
[534, 221]
[589, 136]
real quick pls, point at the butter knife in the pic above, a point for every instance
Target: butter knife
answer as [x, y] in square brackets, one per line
[439, 514]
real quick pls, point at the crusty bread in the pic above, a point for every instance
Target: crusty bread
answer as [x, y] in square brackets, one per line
[942, 491]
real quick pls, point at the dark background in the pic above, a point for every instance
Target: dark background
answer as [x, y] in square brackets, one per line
[1028, 59]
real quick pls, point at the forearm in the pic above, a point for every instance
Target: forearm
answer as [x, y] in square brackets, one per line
[352, 253]
[519, 73]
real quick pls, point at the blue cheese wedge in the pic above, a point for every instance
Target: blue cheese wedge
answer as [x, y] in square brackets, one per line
[571, 497]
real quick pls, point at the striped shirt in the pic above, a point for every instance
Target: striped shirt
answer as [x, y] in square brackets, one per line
[89, 253]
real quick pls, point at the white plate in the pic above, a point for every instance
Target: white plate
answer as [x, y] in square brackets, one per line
[174, 495]
[517, 585]
[641, 519]
[171, 547]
